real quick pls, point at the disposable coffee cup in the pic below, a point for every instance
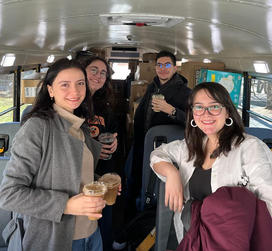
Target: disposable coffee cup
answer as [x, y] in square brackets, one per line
[112, 181]
[157, 96]
[95, 189]
[107, 139]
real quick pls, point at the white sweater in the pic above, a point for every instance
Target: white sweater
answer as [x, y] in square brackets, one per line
[252, 159]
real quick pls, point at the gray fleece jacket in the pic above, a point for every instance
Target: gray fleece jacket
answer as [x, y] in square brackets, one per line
[44, 171]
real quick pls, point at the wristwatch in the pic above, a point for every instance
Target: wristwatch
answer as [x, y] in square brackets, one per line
[174, 112]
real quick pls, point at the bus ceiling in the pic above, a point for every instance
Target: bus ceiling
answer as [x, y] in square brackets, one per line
[237, 33]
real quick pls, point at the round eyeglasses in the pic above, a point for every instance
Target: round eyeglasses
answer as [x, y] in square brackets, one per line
[166, 65]
[95, 70]
[213, 110]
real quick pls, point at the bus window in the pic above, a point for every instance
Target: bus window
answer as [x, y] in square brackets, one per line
[6, 97]
[30, 74]
[121, 70]
[261, 103]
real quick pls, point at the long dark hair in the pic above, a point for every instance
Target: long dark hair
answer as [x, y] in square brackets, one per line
[102, 98]
[227, 135]
[43, 106]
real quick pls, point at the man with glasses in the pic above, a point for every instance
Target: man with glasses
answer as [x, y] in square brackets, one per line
[164, 102]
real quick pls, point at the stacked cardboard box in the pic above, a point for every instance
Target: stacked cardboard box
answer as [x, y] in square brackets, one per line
[99, 52]
[29, 90]
[147, 71]
[190, 70]
[149, 57]
[138, 89]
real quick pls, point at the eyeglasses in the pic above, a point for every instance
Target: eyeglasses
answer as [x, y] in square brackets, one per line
[94, 71]
[212, 110]
[166, 65]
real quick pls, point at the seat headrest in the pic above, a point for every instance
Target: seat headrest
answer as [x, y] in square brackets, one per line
[268, 141]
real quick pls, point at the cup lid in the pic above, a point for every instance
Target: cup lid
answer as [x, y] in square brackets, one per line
[111, 179]
[106, 135]
[95, 188]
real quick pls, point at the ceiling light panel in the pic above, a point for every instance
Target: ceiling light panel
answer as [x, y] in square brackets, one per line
[7, 60]
[261, 67]
[145, 19]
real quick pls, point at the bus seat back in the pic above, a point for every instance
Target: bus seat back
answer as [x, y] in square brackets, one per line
[10, 129]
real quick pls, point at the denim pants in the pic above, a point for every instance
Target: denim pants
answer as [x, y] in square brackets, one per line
[92, 243]
[105, 225]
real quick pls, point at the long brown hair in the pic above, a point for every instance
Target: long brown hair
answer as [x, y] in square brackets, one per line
[227, 135]
[43, 106]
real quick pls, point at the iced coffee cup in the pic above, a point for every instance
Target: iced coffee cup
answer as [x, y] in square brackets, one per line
[157, 96]
[112, 181]
[107, 139]
[95, 189]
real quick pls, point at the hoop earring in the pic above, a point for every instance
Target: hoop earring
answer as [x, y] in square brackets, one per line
[230, 123]
[193, 123]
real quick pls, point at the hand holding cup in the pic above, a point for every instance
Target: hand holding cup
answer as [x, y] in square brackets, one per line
[95, 189]
[109, 144]
[156, 99]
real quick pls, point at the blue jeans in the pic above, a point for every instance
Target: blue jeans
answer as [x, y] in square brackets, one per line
[92, 243]
[105, 225]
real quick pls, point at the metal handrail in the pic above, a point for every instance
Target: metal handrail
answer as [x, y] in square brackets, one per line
[7, 111]
[260, 116]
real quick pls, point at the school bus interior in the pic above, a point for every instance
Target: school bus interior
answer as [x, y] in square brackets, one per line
[208, 37]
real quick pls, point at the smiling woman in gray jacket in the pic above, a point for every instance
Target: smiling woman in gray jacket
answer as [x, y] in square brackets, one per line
[52, 158]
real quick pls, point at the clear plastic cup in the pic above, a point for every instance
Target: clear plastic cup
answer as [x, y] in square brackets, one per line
[95, 189]
[112, 181]
[157, 96]
[106, 139]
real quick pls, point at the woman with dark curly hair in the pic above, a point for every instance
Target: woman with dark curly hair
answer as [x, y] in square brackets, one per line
[99, 78]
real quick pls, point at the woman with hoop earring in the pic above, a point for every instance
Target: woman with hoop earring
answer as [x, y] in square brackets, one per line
[216, 157]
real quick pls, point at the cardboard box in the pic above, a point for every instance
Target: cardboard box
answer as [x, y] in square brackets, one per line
[135, 105]
[149, 57]
[190, 70]
[29, 90]
[231, 81]
[99, 52]
[147, 71]
[138, 89]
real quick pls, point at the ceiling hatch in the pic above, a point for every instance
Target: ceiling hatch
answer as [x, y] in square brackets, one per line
[140, 20]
